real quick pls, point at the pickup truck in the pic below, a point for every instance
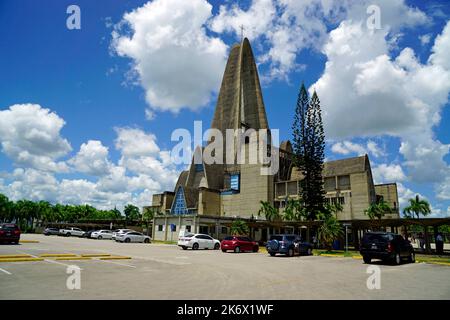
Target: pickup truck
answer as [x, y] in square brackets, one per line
[71, 232]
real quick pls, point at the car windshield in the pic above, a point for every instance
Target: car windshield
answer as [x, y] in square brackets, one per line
[228, 238]
[374, 237]
[278, 238]
[8, 227]
[189, 235]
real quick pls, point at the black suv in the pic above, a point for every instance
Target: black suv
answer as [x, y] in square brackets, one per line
[288, 244]
[389, 247]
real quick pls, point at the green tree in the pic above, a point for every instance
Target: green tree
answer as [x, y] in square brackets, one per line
[239, 228]
[377, 210]
[6, 207]
[309, 146]
[334, 208]
[269, 212]
[46, 212]
[417, 207]
[329, 230]
[131, 212]
[294, 210]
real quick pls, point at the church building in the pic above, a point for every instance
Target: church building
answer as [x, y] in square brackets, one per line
[208, 197]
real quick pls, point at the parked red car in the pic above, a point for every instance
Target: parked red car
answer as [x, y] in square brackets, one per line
[9, 232]
[239, 244]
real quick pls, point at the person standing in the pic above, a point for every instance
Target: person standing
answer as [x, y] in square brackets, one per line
[421, 241]
[439, 244]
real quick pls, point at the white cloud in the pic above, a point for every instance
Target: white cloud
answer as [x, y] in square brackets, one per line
[425, 39]
[30, 136]
[347, 147]
[399, 97]
[142, 170]
[386, 173]
[178, 64]
[443, 189]
[135, 142]
[287, 27]
[92, 159]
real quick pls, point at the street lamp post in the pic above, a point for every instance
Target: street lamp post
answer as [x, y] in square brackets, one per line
[346, 225]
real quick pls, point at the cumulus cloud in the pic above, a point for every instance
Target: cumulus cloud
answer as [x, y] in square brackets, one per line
[30, 136]
[135, 142]
[92, 159]
[347, 147]
[142, 169]
[177, 62]
[399, 97]
[386, 173]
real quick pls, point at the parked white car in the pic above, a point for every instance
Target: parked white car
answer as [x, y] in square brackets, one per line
[120, 231]
[198, 241]
[71, 232]
[102, 234]
[132, 236]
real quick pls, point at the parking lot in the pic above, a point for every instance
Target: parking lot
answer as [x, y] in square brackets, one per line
[159, 271]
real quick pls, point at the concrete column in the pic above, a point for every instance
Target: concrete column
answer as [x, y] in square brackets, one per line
[165, 228]
[153, 228]
[427, 240]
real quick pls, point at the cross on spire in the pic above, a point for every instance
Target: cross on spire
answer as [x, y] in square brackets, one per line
[242, 32]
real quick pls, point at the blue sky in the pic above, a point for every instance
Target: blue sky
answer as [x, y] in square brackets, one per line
[384, 92]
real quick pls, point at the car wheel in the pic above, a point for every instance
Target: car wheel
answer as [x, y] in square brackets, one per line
[272, 254]
[237, 250]
[100, 238]
[255, 249]
[309, 252]
[217, 246]
[290, 252]
[127, 240]
[147, 240]
[367, 259]
[184, 247]
[224, 250]
[68, 234]
[412, 257]
[397, 259]
[195, 246]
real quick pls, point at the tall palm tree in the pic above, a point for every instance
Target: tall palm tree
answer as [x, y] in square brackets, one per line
[5, 208]
[270, 213]
[378, 210]
[330, 230]
[417, 207]
[239, 228]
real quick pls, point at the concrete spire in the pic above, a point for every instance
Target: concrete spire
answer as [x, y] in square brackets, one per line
[240, 103]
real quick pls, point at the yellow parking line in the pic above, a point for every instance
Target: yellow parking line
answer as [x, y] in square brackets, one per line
[73, 258]
[95, 255]
[114, 258]
[332, 255]
[55, 255]
[29, 241]
[8, 256]
[21, 259]
[356, 257]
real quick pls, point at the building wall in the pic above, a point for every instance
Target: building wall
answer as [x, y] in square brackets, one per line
[360, 194]
[254, 188]
[209, 202]
[390, 195]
